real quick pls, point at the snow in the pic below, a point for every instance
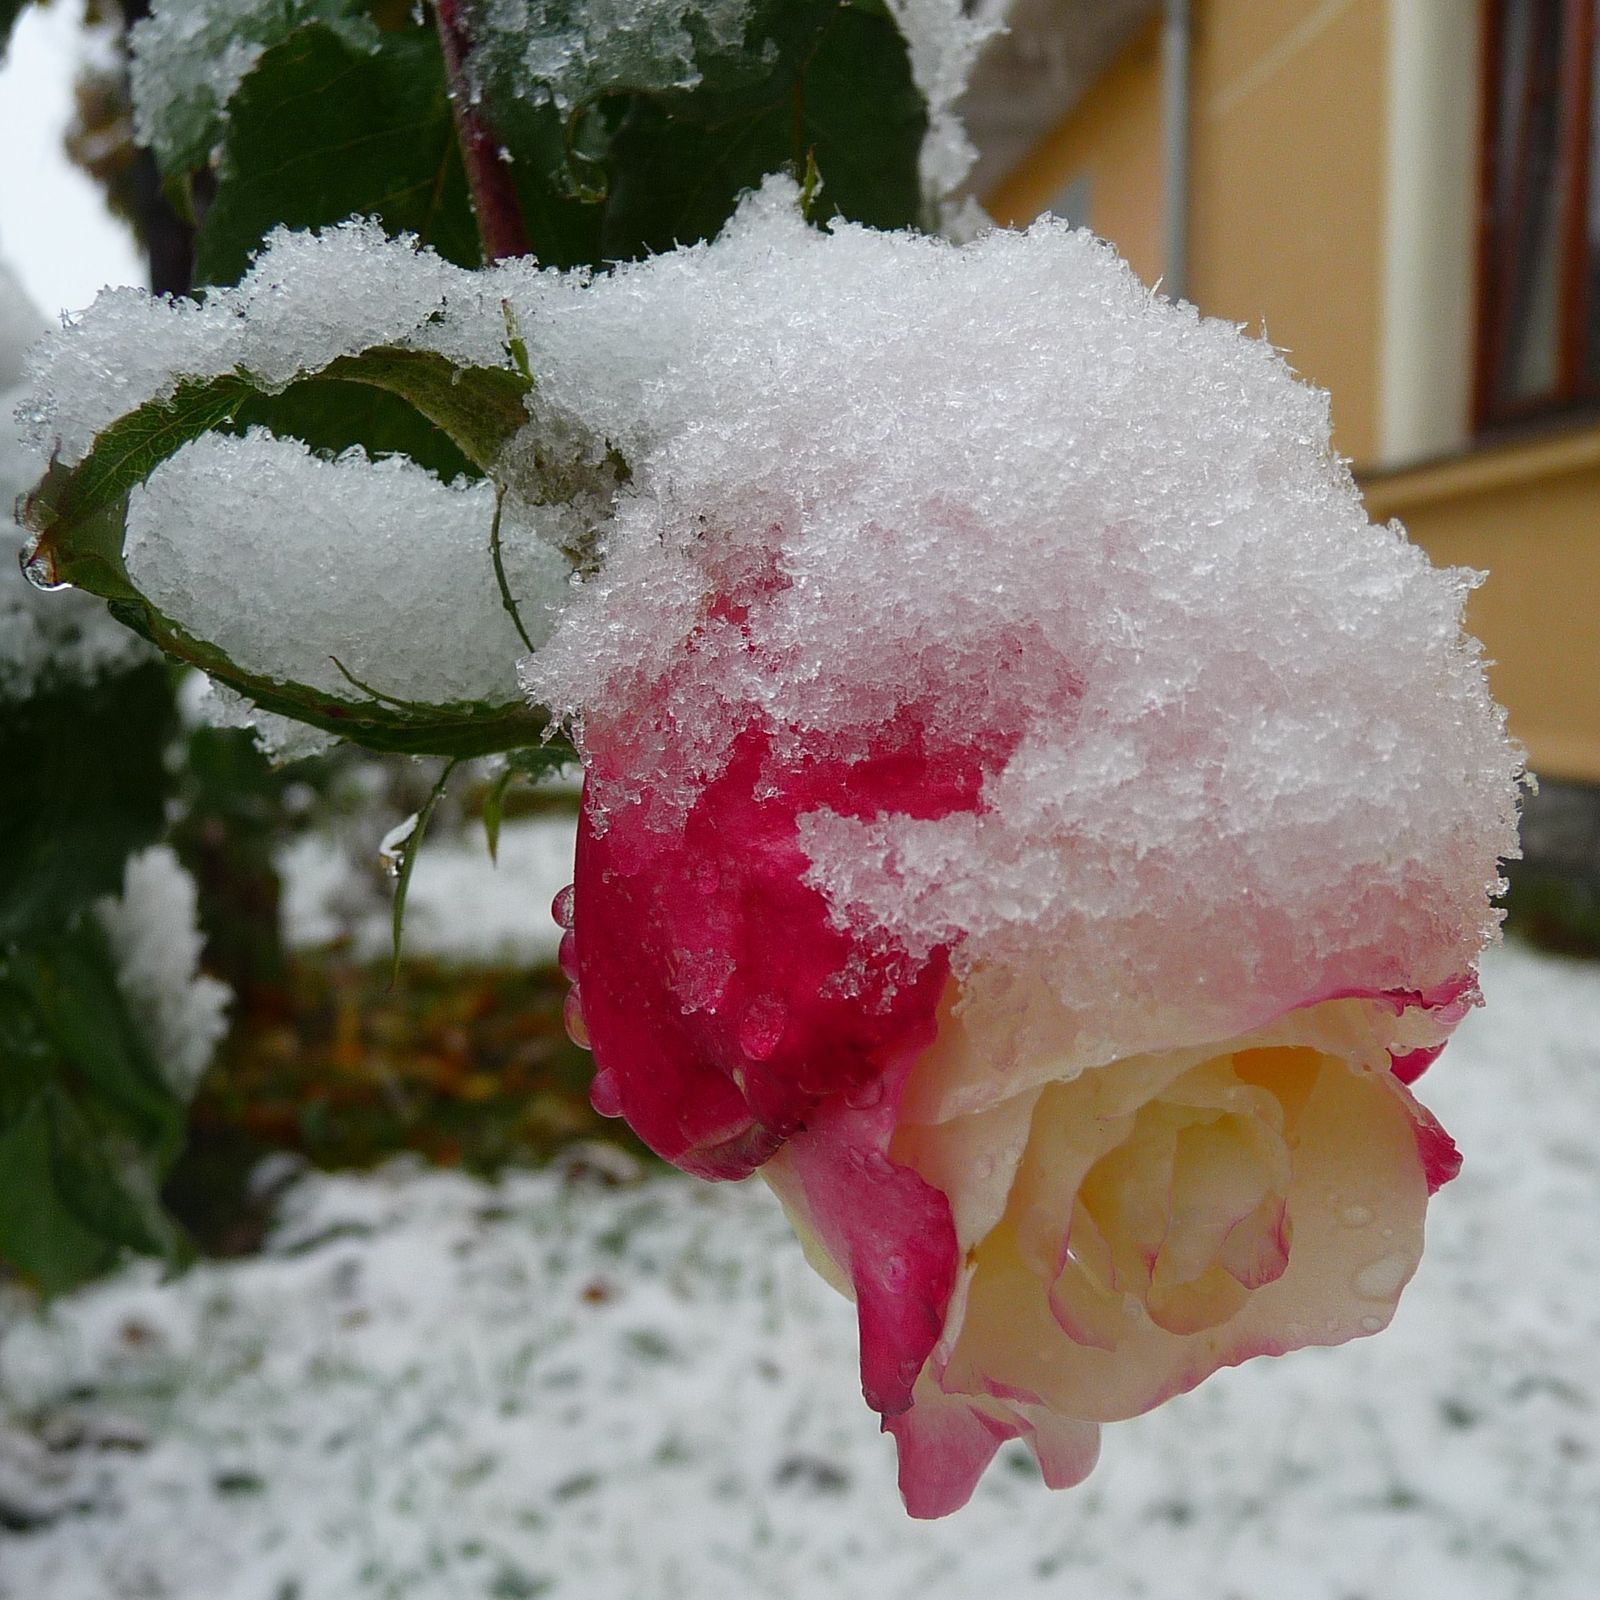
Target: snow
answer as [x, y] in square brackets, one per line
[462, 907]
[156, 942]
[944, 39]
[569, 54]
[388, 563]
[205, 702]
[45, 640]
[432, 1387]
[999, 487]
[308, 299]
[1239, 752]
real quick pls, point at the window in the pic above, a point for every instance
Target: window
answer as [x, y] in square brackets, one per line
[1539, 326]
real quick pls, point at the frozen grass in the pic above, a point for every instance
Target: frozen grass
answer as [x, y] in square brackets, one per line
[434, 1388]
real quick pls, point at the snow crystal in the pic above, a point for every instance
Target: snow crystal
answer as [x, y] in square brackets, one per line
[944, 41]
[307, 299]
[1005, 485]
[295, 566]
[208, 703]
[155, 938]
[568, 54]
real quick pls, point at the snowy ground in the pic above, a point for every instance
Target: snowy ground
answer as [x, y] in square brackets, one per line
[462, 906]
[432, 1388]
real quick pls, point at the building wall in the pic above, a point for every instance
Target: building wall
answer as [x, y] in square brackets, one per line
[1333, 205]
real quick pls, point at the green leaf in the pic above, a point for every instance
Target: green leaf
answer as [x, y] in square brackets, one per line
[84, 786]
[333, 415]
[186, 119]
[494, 806]
[40, 1235]
[321, 130]
[88, 1126]
[852, 114]
[78, 511]
[661, 153]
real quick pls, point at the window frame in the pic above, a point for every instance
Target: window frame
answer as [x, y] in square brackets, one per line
[1578, 302]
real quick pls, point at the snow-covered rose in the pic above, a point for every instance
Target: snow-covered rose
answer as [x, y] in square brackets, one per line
[1030, 814]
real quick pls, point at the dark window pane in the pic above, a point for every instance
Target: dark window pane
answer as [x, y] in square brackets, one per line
[1526, 201]
[1591, 301]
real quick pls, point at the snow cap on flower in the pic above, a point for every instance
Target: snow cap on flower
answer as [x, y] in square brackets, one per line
[1249, 756]
[1030, 812]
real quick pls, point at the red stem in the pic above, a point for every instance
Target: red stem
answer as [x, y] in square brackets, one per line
[494, 195]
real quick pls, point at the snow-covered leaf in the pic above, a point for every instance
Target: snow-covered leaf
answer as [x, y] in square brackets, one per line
[189, 56]
[81, 514]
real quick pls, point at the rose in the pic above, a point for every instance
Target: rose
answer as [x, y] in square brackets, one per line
[1039, 1238]
[1093, 1238]
[1030, 814]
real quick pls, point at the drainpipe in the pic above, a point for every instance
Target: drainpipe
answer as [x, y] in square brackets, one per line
[1177, 39]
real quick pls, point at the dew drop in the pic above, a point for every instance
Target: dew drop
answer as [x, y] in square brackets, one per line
[761, 1027]
[1371, 1324]
[561, 908]
[39, 567]
[1356, 1216]
[567, 955]
[572, 1016]
[1381, 1279]
[603, 1095]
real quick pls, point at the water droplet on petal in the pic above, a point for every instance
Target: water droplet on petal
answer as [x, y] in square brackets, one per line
[567, 955]
[572, 1016]
[761, 1027]
[1371, 1324]
[603, 1095]
[1356, 1216]
[1381, 1279]
[561, 908]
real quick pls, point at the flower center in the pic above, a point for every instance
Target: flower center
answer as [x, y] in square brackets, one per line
[1180, 1202]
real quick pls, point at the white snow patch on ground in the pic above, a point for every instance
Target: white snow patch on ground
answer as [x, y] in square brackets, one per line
[435, 1388]
[461, 906]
